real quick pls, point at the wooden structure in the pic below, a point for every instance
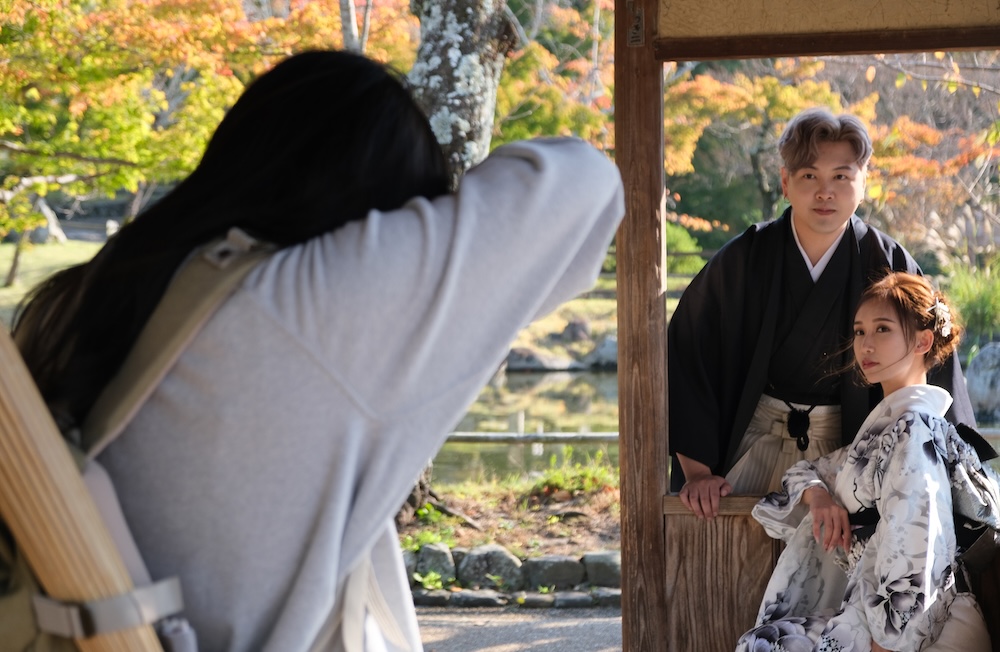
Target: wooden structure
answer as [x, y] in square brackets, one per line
[676, 569]
[48, 509]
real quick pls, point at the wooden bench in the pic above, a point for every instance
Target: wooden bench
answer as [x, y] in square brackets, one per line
[716, 573]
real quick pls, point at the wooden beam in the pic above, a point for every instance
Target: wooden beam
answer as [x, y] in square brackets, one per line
[642, 385]
[704, 48]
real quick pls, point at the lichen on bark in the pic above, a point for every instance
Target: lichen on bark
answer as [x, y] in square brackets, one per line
[463, 44]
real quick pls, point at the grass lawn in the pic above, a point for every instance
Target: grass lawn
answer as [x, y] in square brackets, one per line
[38, 262]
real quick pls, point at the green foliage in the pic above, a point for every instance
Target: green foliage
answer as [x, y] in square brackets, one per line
[498, 581]
[17, 215]
[534, 100]
[429, 514]
[714, 192]
[679, 240]
[722, 125]
[438, 528]
[590, 477]
[975, 293]
[102, 96]
[610, 265]
[432, 580]
[930, 263]
[445, 535]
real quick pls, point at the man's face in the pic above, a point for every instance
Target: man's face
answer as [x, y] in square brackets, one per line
[825, 194]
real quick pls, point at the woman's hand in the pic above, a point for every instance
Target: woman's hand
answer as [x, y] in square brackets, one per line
[878, 648]
[831, 528]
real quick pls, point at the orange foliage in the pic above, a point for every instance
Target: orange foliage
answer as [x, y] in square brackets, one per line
[693, 223]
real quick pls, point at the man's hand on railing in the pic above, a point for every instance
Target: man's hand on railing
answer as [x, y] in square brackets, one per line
[702, 490]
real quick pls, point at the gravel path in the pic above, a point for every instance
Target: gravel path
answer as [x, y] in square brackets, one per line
[520, 630]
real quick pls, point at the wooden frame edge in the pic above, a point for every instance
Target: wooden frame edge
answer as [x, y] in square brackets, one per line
[704, 48]
[728, 506]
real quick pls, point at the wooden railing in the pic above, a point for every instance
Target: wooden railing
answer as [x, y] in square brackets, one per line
[716, 573]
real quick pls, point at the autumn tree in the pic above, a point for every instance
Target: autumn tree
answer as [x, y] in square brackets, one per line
[100, 97]
[559, 82]
[722, 123]
[938, 136]
[104, 96]
[934, 170]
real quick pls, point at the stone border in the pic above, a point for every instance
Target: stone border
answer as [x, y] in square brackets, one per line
[491, 576]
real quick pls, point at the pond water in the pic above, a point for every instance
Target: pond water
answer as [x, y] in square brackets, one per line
[480, 462]
[532, 403]
[585, 403]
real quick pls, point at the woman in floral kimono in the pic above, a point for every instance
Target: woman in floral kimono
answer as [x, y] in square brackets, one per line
[892, 583]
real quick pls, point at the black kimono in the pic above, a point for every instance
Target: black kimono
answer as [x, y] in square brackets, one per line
[721, 340]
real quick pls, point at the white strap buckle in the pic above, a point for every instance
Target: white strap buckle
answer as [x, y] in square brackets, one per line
[237, 242]
[142, 606]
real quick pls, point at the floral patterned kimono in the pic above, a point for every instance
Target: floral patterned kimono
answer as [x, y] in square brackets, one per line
[898, 586]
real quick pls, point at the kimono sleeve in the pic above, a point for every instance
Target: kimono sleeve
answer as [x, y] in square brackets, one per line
[904, 594]
[694, 367]
[781, 512]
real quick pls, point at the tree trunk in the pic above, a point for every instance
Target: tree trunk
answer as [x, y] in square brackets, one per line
[768, 194]
[51, 220]
[463, 44]
[15, 262]
[421, 494]
[349, 26]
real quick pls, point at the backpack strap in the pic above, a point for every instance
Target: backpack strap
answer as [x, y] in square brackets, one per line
[141, 606]
[199, 287]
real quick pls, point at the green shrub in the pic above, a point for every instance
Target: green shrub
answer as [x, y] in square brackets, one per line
[592, 476]
[445, 535]
[432, 580]
[975, 294]
[429, 514]
[679, 240]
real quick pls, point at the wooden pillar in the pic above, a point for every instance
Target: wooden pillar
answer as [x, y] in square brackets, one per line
[642, 384]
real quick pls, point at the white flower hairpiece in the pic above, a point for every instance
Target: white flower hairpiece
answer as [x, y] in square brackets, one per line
[942, 318]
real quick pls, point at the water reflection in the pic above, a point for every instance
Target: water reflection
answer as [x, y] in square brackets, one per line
[479, 462]
[581, 402]
[546, 402]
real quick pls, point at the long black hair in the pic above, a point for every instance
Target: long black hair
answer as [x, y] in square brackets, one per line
[318, 141]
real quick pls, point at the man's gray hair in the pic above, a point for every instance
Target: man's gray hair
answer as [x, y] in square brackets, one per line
[799, 144]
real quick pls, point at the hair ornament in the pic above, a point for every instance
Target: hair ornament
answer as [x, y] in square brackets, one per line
[942, 318]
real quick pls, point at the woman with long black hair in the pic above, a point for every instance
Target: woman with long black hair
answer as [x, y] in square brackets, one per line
[266, 467]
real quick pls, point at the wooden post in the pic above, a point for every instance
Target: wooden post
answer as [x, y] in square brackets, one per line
[47, 507]
[642, 384]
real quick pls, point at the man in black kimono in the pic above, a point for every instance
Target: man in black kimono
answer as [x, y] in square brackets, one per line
[760, 337]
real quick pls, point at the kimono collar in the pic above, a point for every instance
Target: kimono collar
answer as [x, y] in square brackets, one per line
[930, 398]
